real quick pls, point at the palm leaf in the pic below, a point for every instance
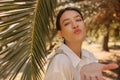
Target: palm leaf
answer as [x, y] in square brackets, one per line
[25, 29]
[26, 26]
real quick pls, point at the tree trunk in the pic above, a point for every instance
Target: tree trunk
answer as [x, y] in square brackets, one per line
[105, 41]
[0, 48]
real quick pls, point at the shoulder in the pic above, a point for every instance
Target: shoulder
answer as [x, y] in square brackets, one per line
[59, 68]
[61, 59]
[60, 63]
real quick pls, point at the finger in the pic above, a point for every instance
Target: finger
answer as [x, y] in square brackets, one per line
[110, 66]
[99, 77]
[82, 76]
[93, 78]
[87, 77]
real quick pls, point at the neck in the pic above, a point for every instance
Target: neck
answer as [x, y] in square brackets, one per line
[75, 47]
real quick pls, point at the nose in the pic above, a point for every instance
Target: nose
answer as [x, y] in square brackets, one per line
[75, 25]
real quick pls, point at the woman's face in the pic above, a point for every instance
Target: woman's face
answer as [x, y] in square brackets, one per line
[72, 27]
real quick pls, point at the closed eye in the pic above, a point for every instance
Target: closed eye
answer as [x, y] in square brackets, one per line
[78, 19]
[67, 23]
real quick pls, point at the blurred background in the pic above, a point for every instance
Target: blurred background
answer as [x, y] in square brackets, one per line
[28, 35]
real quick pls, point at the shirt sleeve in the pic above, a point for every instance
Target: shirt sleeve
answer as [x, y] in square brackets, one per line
[60, 68]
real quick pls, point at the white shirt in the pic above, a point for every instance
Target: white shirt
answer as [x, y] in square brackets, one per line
[67, 65]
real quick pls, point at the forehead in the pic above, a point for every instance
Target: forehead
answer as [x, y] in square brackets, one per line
[69, 14]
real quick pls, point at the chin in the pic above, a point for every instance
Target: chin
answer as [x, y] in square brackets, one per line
[81, 38]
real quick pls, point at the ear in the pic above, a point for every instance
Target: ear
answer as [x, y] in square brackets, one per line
[59, 32]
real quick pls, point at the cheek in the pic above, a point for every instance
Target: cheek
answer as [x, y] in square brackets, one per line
[66, 33]
[83, 30]
[66, 30]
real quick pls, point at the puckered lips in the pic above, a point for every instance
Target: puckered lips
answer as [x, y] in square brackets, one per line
[77, 31]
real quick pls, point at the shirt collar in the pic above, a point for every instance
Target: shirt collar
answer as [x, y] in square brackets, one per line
[73, 57]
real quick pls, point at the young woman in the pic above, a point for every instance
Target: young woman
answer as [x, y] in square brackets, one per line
[71, 62]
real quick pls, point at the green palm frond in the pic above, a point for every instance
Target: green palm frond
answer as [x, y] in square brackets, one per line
[25, 27]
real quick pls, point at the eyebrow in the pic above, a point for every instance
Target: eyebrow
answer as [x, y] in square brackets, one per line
[68, 18]
[78, 16]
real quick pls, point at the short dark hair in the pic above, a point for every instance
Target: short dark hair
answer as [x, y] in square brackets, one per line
[62, 11]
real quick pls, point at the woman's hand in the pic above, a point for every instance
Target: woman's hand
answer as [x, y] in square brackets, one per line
[93, 71]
